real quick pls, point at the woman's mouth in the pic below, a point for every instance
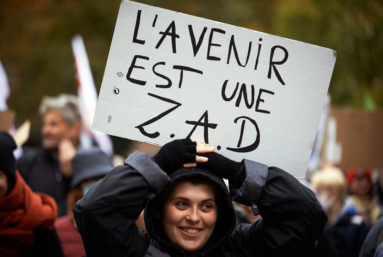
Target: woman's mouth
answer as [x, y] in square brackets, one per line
[191, 230]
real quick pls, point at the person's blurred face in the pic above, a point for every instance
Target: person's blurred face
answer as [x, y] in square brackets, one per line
[3, 184]
[190, 215]
[326, 196]
[54, 129]
[360, 186]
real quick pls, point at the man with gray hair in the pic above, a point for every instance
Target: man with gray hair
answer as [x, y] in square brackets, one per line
[48, 169]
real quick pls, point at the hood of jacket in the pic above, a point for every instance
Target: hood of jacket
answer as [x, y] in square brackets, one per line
[225, 215]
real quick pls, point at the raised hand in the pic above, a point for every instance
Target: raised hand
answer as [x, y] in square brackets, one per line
[179, 153]
[201, 149]
[220, 165]
[66, 153]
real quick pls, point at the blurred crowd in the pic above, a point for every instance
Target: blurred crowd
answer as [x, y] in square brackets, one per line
[39, 190]
[351, 199]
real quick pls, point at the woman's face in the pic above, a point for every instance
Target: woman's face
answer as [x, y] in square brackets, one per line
[3, 184]
[360, 186]
[190, 215]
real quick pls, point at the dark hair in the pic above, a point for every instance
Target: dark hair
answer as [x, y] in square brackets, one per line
[195, 181]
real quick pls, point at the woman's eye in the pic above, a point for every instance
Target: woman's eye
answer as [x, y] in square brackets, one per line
[181, 204]
[207, 206]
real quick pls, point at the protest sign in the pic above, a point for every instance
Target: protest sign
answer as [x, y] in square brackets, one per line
[250, 94]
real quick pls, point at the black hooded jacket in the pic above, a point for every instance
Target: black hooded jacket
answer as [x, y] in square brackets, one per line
[292, 219]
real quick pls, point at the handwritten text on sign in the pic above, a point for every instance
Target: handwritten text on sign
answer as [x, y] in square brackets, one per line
[253, 95]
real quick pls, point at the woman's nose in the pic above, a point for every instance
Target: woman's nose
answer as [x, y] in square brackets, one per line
[193, 215]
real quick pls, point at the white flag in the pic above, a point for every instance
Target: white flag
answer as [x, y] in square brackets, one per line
[4, 89]
[314, 162]
[4, 94]
[87, 94]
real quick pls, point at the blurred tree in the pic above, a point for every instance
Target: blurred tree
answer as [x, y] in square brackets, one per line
[35, 48]
[352, 28]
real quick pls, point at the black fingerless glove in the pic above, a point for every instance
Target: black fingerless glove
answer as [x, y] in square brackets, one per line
[175, 154]
[220, 165]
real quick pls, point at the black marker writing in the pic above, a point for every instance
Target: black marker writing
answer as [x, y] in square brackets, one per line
[223, 92]
[243, 93]
[197, 46]
[185, 68]
[162, 76]
[272, 63]
[135, 40]
[251, 147]
[233, 47]
[206, 125]
[259, 99]
[132, 66]
[209, 57]
[259, 51]
[170, 31]
[154, 21]
[156, 134]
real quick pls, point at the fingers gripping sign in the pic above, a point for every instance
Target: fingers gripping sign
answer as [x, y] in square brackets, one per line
[181, 153]
[201, 148]
[214, 162]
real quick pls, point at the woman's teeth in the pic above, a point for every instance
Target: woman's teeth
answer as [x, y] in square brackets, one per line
[191, 230]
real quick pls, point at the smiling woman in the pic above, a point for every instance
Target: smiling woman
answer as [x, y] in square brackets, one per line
[190, 214]
[188, 208]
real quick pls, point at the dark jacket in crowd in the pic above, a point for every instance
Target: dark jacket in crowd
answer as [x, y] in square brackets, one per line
[345, 238]
[371, 242]
[379, 251]
[40, 170]
[355, 230]
[46, 244]
[292, 217]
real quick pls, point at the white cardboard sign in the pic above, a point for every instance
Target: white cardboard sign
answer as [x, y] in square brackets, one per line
[250, 94]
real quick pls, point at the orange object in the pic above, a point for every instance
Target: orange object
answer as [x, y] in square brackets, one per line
[21, 212]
